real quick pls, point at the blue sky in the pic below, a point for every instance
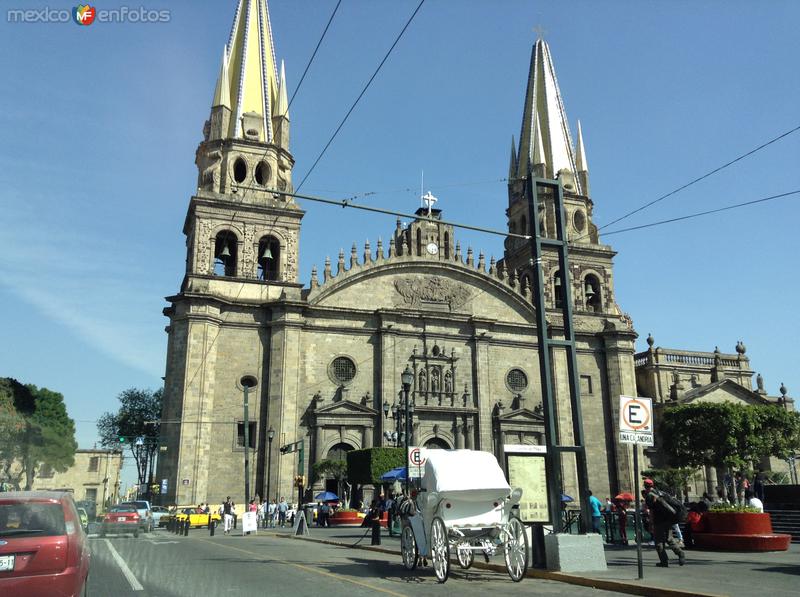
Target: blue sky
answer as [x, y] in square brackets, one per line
[100, 125]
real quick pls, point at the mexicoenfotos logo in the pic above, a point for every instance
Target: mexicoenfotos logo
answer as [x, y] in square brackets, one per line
[84, 14]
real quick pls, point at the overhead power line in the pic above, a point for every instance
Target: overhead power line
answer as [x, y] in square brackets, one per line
[360, 95]
[313, 55]
[703, 177]
[702, 213]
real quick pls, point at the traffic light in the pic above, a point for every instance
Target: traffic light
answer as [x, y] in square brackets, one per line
[300, 481]
[122, 439]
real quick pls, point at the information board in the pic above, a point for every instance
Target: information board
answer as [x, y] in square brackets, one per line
[249, 522]
[526, 470]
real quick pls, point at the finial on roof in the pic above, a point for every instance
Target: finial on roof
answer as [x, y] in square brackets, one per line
[650, 340]
[282, 105]
[314, 278]
[354, 255]
[539, 31]
[740, 347]
[326, 272]
[783, 390]
[580, 153]
[512, 167]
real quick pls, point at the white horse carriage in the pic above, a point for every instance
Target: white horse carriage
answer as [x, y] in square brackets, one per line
[465, 506]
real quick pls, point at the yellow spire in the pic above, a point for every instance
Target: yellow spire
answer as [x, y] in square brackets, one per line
[222, 92]
[252, 86]
[282, 105]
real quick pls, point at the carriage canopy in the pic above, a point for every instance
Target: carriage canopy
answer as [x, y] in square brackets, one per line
[464, 474]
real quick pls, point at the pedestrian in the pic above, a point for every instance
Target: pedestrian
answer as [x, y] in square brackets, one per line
[608, 520]
[272, 512]
[596, 506]
[227, 515]
[374, 518]
[758, 483]
[663, 514]
[234, 514]
[391, 509]
[622, 516]
[283, 507]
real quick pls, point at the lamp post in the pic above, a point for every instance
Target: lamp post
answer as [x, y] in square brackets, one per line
[270, 437]
[247, 382]
[407, 378]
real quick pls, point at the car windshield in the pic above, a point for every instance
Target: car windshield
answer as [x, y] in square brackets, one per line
[123, 509]
[31, 518]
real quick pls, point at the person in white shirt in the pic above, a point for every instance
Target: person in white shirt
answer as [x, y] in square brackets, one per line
[753, 501]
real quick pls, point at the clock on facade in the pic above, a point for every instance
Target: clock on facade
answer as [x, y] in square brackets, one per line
[432, 248]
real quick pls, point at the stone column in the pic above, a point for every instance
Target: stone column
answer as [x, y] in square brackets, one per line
[480, 383]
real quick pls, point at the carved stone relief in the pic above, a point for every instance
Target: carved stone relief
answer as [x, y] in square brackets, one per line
[290, 271]
[432, 289]
[203, 251]
[248, 253]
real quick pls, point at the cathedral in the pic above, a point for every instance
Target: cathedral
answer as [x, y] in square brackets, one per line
[327, 355]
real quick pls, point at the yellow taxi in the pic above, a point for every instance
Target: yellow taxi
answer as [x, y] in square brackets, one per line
[197, 516]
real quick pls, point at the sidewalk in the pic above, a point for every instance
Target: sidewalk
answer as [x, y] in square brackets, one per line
[705, 573]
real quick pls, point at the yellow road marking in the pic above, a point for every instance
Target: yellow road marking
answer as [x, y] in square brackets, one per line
[310, 569]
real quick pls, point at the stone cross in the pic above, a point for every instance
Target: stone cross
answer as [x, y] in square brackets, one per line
[429, 200]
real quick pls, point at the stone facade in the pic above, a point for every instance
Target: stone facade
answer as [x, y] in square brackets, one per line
[94, 478]
[328, 357]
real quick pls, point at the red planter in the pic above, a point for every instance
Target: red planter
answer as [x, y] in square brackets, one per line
[347, 519]
[740, 531]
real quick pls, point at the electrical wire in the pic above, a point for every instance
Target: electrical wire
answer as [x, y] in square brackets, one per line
[360, 95]
[313, 55]
[699, 178]
[701, 213]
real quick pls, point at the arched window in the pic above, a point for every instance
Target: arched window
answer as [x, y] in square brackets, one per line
[558, 290]
[447, 245]
[339, 451]
[437, 443]
[419, 242]
[591, 290]
[269, 252]
[225, 253]
[523, 225]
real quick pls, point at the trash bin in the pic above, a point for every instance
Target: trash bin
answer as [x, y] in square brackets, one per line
[309, 514]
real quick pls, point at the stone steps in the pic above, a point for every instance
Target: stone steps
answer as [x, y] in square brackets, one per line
[786, 521]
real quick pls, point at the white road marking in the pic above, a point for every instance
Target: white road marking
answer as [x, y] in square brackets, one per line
[126, 572]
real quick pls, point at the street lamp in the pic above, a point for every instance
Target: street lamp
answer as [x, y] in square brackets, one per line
[407, 378]
[270, 437]
[247, 382]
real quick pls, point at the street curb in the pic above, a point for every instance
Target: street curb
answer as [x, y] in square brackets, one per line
[594, 583]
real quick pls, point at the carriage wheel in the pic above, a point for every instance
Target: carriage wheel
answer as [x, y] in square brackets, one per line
[465, 555]
[440, 550]
[516, 551]
[408, 548]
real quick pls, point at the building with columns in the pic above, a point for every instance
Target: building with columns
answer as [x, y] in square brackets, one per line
[328, 354]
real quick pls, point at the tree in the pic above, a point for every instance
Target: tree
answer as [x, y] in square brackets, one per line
[35, 431]
[15, 399]
[49, 435]
[332, 468]
[136, 425]
[727, 435]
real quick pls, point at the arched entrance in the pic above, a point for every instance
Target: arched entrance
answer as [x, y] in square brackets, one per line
[437, 443]
[337, 453]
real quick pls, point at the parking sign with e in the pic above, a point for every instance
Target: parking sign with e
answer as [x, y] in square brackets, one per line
[636, 420]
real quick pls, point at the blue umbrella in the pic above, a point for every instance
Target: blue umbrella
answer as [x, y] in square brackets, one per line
[566, 498]
[396, 474]
[326, 496]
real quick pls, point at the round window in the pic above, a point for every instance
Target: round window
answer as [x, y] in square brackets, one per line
[343, 369]
[239, 170]
[262, 173]
[516, 380]
[579, 220]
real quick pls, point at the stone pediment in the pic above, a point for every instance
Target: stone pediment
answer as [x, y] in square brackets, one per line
[345, 407]
[725, 390]
[521, 415]
[414, 284]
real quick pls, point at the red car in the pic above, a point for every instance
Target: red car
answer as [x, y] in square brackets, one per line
[122, 518]
[43, 547]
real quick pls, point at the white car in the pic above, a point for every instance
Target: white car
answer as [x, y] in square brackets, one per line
[158, 513]
[145, 513]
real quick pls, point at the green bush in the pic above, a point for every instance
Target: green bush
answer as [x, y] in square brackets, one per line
[724, 508]
[367, 466]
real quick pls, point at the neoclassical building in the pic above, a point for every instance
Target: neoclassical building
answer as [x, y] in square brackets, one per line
[328, 353]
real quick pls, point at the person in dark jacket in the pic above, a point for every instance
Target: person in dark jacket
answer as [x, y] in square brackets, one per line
[661, 519]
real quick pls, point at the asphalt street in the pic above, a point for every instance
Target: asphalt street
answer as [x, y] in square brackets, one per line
[165, 565]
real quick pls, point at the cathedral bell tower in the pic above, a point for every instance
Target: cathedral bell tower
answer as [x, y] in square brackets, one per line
[546, 148]
[239, 225]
